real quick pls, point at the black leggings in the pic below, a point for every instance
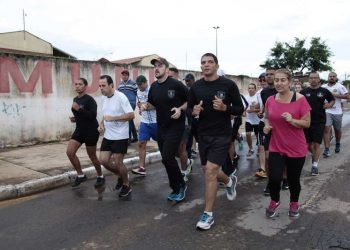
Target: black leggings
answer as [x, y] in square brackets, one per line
[277, 162]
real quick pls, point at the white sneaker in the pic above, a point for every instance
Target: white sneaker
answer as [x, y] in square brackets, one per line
[231, 193]
[205, 221]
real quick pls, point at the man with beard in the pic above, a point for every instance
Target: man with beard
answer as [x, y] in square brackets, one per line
[169, 97]
[214, 99]
[316, 97]
[335, 114]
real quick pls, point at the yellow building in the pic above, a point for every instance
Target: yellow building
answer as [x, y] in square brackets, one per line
[25, 43]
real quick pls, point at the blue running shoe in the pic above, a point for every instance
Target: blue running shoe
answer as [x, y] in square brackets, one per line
[171, 196]
[181, 195]
[205, 221]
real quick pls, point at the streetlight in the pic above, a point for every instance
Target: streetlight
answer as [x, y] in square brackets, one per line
[216, 39]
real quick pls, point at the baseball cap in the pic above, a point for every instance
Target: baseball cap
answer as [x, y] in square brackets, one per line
[125, 71]
[160, 60]
[141, 79]
[262, 75]
[189, 77]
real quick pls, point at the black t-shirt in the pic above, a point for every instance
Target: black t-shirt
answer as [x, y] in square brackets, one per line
[165, 96]
[85, 117]
[266, 93]
[211, 121]
[316, 99]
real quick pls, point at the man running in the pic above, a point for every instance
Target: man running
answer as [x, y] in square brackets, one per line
[148, 124]
[334, 115]
[117, 112]
[169, 97]
[214, 99]
[316, 97]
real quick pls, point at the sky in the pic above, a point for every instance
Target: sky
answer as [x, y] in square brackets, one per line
[182, 31]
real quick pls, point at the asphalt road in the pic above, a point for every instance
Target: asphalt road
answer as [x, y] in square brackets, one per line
[83, 218]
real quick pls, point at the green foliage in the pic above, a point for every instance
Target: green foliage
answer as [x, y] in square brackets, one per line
[297, 58]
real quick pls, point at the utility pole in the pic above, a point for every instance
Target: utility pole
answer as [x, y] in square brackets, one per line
[24, 24]
[216, 39]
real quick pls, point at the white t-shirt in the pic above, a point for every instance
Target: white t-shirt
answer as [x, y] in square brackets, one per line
[116, 105]
[148, 116]
[252, 118]
[339, 89]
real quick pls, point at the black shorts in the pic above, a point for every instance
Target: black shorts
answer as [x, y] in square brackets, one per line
[186, 135]
[213, 149]
[88, 136]
[250, 128]
[314, 133]
[115, 146]
[235, 127]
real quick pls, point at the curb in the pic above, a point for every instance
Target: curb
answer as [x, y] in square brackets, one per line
[35, 186]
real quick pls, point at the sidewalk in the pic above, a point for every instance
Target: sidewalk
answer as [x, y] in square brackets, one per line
[27, 170]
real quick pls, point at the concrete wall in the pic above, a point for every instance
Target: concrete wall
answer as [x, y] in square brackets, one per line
[36, 95]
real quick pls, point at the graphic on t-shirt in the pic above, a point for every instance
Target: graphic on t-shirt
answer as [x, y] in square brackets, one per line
[171, 93]
[221, 94]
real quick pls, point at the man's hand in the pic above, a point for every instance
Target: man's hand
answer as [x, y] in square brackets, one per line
[267, 129]
[75, 106]
[101, 129]
[327, 106]
[219, 105]
[177, 113]
[197, 109]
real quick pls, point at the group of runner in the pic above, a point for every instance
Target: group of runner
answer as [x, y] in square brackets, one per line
[174, 114]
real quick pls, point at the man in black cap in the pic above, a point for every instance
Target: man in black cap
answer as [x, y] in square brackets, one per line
[169, 97]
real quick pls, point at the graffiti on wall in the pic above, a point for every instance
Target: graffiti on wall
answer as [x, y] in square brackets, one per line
[42, 70]
[11, 109]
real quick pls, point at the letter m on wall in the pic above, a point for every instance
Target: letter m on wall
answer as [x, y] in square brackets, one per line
[9, 68]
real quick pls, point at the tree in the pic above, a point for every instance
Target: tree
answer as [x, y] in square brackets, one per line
[297, 58]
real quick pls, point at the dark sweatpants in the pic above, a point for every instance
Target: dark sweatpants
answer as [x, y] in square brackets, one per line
[294, 167]
[168, 142]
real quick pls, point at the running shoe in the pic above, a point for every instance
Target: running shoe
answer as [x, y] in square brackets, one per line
[261, 173]
[337, 148]
[125, 191]
[267, 191]
[314, 171]
[119, 184]
[285, 185]
[100, 182]
[193, 154]
[184, 176]
[271, 210]
[78, 180]
[250, 152]
[294, 210]
[205, 221]
[181, 194]
[326, 153]
[189, 167]
[231, 191]
[171, 196]
[140, 171]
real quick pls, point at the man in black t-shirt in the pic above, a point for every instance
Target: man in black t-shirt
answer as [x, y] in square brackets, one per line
[214, 99]
[169, 97]
[316, 97]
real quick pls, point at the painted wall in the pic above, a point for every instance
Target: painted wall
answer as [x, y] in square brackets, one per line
[36, 94]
